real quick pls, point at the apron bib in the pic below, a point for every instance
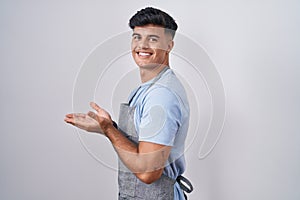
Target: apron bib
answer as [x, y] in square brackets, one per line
[130, 187]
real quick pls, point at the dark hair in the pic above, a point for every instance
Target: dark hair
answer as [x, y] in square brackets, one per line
[154, 16]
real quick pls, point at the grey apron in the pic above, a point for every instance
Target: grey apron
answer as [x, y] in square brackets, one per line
[130, 187]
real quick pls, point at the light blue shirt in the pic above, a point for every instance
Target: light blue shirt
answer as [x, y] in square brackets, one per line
[162, 117]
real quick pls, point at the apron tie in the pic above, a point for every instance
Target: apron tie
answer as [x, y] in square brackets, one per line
[185, 185]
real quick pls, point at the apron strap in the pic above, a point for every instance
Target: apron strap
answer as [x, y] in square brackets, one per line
[151, 84]
[184, 184]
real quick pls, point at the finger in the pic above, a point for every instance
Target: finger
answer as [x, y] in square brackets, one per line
[69, 121]
[73, 115]
[70, 115]
[75, 118]
[77, 121]
[79, 115]
[95, 106]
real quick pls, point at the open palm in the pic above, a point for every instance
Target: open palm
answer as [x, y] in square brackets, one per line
[90, 121]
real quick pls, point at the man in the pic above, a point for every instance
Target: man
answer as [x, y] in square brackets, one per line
[149, 138]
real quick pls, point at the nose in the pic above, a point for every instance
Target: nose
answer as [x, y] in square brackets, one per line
[143, 44]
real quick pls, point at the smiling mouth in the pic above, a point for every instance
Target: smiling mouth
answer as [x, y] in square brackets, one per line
[144, 54]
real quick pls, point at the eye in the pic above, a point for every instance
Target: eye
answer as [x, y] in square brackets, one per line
[136, 37]
[153, 39]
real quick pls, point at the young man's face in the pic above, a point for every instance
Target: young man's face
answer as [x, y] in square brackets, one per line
[150, 46]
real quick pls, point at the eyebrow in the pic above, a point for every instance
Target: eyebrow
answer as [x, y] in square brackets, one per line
[137, 34]
[134, 34]
[153, 36]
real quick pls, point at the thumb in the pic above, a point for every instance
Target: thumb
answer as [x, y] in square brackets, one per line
[95, 106]
[92, 115]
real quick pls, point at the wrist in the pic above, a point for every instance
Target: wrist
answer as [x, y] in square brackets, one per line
[115, 124]
[110, 128]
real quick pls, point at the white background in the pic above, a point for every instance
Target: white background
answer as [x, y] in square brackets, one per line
[254, 44]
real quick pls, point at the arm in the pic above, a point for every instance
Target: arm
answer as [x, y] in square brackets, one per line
[146, 160]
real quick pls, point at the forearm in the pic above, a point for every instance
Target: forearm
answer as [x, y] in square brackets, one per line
[126, 149]
[137, 159]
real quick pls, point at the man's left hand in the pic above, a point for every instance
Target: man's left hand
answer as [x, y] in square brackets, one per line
[97, 122]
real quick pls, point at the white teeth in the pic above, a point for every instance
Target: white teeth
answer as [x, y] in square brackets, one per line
[144, 54]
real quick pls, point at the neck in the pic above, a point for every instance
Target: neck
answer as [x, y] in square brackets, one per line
[149, 73]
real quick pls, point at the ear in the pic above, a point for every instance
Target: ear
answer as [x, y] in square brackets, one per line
[170, 45]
